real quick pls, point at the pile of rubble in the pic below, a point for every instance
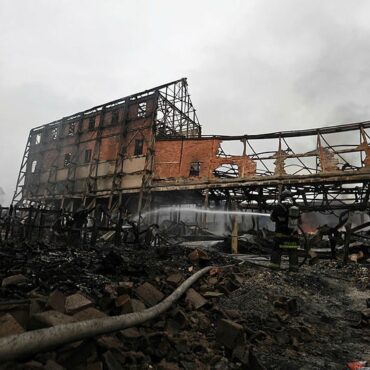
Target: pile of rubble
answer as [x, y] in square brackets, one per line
[239, 316]
[303, 321]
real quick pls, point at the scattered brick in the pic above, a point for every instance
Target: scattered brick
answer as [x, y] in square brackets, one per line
[213, 294]
[76, 302]
[133, 305]
[95, 366]
[164, 365]
[130, 333]
[21, 313]
[88, 314]
[36, 306]
[125, 287]
[195, 299]
[175, 279]
[230, 334]
[122, 300]
[149, 294]
[49, 318]
[109, 342]
[30, 365]
[110, 361]
[57, 301]
[52, 365]
[14, 280]
[198, 254]
[9, 325]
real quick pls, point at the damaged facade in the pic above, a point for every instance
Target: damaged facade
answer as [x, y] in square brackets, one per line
[136, 151]
[69, 255]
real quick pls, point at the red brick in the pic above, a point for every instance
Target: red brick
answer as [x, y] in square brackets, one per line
[149, 294]
[49, 318]
[13, 280]
[9, 325]
[76, 302]
[195, 299]
[89, 314]
[230, 334]
[57, 301]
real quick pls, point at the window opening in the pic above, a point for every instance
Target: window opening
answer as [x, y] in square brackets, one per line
[139, 144]
[114, 117]
[67, 159]
[194, 169]
[141, 111]
[91, 123]
[34, 166]
[87, 155]
[38, 139]
[54, 133]
[227, 170]
[71, 129]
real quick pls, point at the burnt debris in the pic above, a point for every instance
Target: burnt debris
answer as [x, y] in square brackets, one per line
[118, 206]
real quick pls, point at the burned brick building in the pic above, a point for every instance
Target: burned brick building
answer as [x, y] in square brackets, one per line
[148, 149]
[106, 152]
[93, 279]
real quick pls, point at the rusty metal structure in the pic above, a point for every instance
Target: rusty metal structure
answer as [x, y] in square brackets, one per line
[104, 153]
[147, 150]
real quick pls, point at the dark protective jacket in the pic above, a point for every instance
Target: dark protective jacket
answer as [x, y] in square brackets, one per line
[280, 215]
[284, 234]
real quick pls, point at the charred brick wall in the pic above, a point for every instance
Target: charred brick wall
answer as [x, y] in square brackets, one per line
[179, 158]
[63, 156]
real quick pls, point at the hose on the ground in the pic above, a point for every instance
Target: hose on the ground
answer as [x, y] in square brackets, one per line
[19, 346]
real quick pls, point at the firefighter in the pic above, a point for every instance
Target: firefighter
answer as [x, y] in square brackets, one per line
[286, 216]
[76, 223]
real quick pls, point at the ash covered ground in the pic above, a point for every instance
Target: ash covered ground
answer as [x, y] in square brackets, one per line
[239, 317]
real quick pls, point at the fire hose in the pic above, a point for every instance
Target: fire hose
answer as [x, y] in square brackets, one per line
[18, 346]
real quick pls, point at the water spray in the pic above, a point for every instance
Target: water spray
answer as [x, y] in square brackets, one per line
[205, 210]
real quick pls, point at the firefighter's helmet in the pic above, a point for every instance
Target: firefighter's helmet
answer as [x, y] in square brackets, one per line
[286, 194]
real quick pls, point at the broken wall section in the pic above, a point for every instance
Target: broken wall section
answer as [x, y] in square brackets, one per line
[196, 159]
[78, 156]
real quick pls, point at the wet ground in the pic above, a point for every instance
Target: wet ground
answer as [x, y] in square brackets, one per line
[315, 319]
[310, 320]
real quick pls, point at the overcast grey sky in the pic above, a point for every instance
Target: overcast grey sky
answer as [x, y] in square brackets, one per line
[253, 66]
